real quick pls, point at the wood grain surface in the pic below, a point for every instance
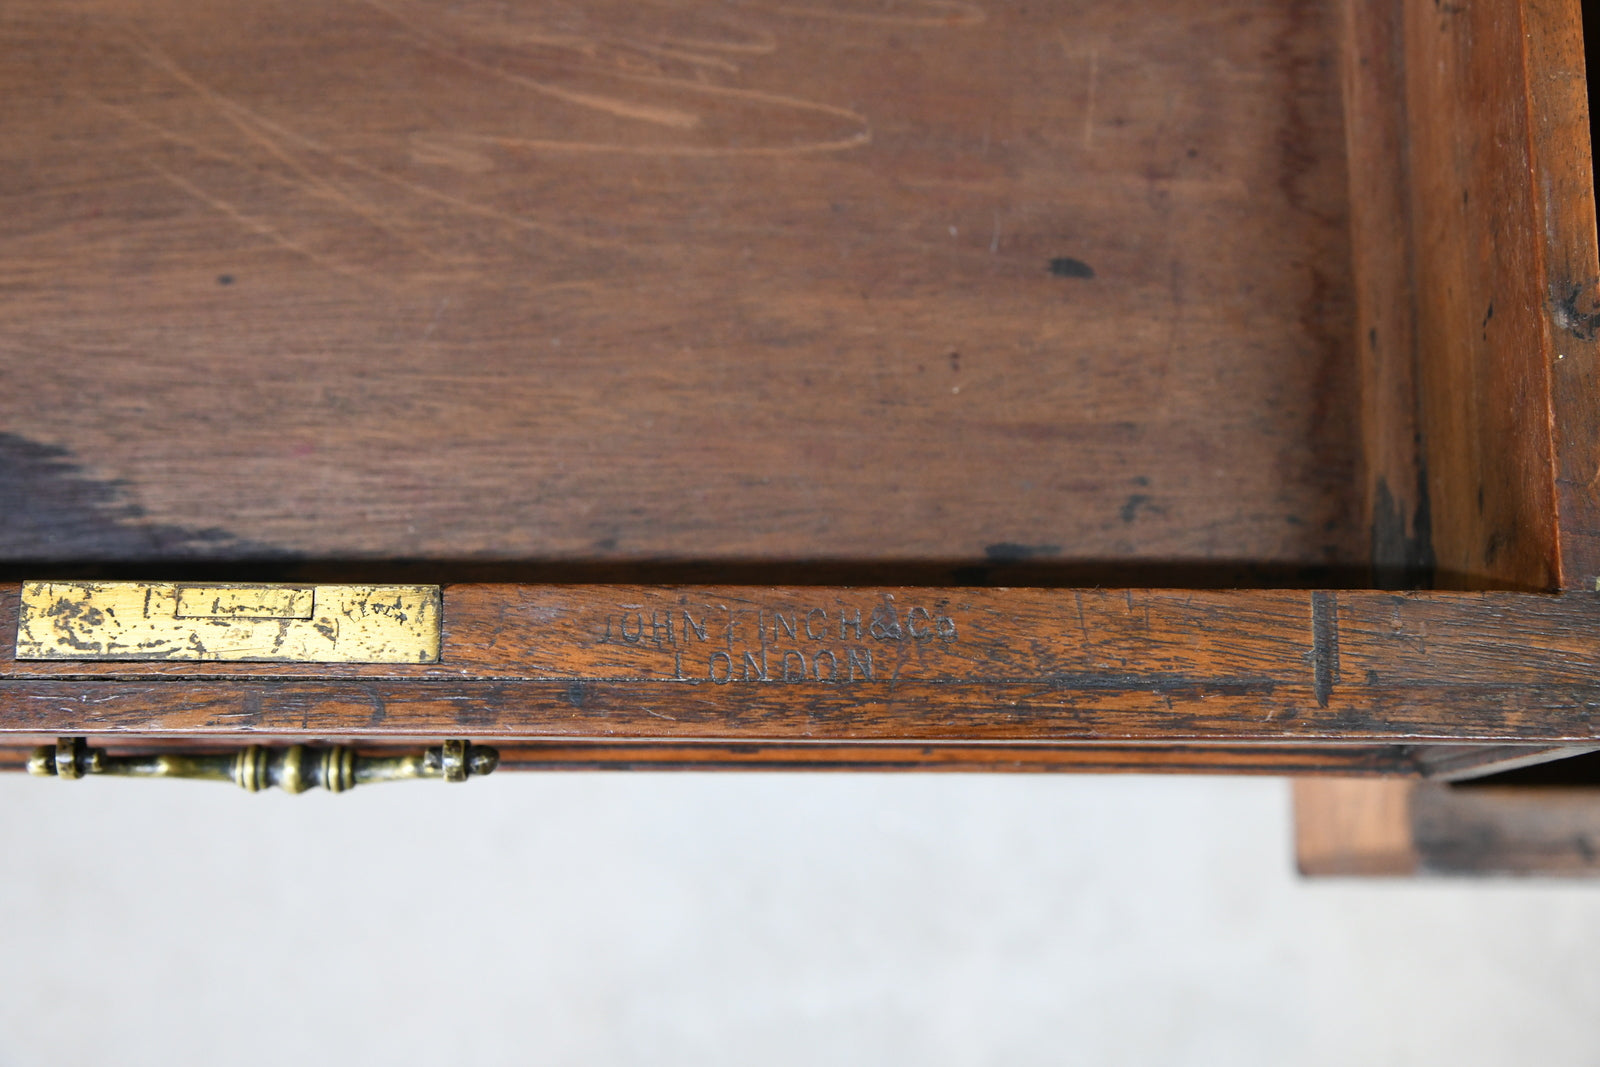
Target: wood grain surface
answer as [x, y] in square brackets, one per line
[1384, 270]
[1484, 373]
[1475, 249]
[893, 665]
[982, 283]
[1569, 258]
[1347, 827]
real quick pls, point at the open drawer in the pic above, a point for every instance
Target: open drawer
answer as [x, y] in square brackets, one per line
[878, 383]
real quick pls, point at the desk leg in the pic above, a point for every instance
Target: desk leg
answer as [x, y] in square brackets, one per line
[1396, 827]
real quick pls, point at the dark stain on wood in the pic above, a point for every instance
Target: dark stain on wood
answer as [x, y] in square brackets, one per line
[1462, 830]
[1067, 267]
[52, 512]
[1402, 545]
[1136, 503]
[1578, 323]
[1012, 552]
[1324, 645]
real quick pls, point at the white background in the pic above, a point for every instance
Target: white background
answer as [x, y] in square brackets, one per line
[754, 919]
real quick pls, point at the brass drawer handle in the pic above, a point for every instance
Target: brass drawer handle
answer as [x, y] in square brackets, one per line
[294, 768]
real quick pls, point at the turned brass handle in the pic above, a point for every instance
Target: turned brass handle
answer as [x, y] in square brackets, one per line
[294, 768]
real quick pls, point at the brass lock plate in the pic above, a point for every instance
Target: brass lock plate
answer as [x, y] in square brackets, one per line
[229, 621]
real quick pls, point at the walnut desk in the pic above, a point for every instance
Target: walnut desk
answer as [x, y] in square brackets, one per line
[889, 384]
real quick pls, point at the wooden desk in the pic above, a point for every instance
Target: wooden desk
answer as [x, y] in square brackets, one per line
[1159, 385]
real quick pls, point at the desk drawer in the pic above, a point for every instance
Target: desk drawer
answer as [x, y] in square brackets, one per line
[658, 337]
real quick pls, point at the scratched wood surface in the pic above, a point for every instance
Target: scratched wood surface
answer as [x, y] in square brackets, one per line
[893, 665]
[885, 280]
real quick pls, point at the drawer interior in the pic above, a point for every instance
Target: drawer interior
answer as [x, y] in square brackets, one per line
[899, 290]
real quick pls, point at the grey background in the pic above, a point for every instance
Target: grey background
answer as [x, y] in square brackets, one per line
[754, 919]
